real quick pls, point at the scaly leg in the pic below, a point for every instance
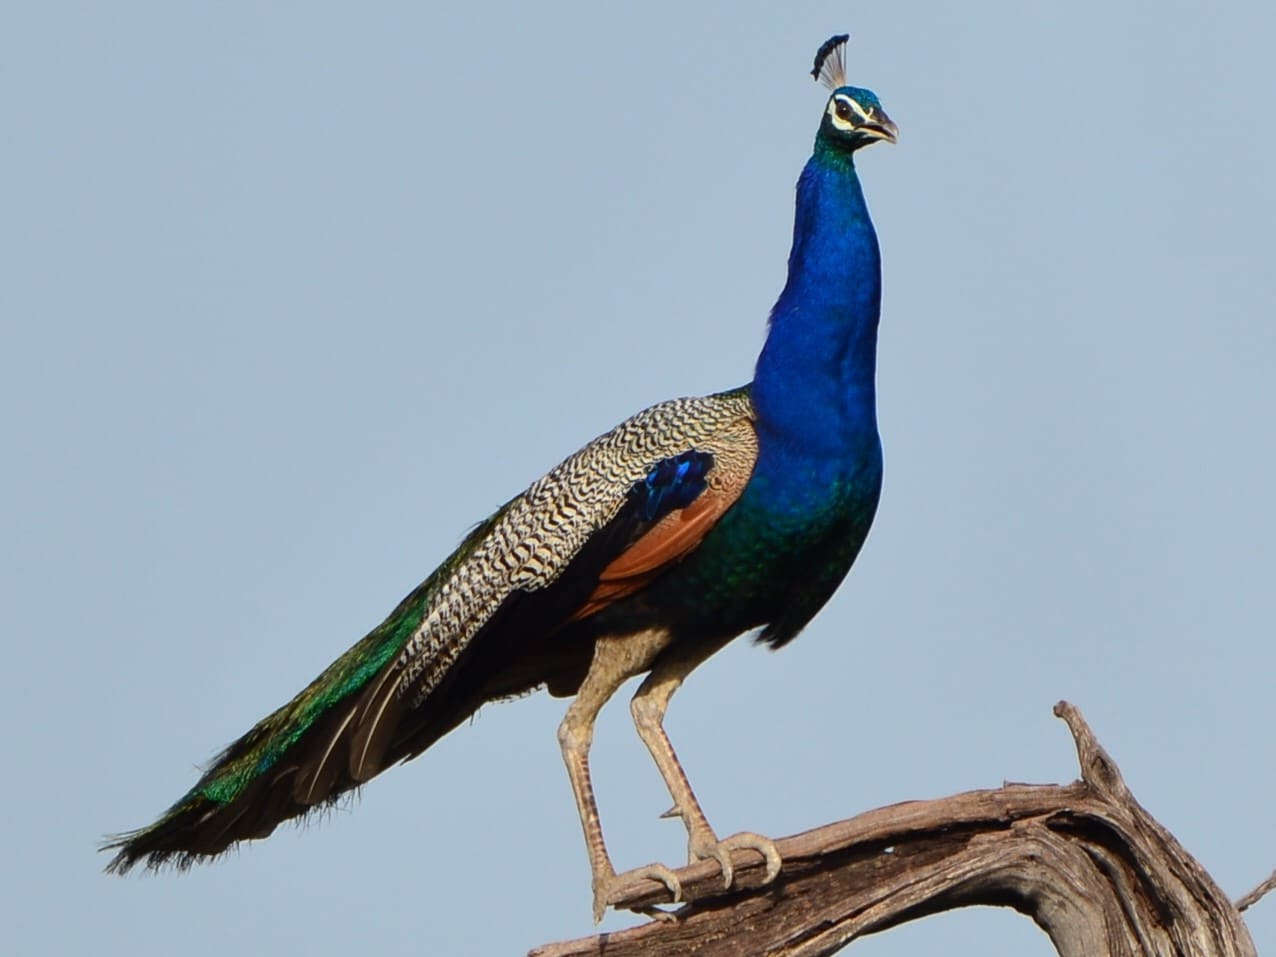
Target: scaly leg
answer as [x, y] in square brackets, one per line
[615, 660]
[648, 708]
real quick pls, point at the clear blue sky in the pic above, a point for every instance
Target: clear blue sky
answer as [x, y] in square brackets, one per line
[292, 298]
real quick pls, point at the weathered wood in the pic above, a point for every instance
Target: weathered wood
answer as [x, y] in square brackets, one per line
[1085, 861]
[1258, 893]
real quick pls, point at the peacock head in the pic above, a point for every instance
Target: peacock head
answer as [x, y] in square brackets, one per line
[853, 117]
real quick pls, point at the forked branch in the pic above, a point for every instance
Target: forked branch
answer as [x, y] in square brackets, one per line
[1085, 861]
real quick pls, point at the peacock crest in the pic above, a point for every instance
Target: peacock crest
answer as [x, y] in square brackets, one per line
[830, 62]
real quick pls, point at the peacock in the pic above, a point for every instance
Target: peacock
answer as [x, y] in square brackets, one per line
[693, 522]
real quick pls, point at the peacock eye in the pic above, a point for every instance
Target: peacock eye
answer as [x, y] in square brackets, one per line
[843, 110]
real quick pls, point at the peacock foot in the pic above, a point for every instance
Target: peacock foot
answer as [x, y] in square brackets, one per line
[704, 845]
[607, 888]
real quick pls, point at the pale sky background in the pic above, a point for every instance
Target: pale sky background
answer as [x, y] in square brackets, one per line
[293, 296]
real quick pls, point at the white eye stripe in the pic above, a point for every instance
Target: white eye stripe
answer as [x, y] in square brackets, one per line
[859, 111]
[854, 105]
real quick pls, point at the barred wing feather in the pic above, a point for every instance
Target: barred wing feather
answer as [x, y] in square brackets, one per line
[384, 700]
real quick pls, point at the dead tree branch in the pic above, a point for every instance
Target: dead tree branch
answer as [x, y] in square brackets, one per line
[1085, 861]
[1257, 894]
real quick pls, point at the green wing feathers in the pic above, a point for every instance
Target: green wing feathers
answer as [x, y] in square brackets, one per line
[407, 683]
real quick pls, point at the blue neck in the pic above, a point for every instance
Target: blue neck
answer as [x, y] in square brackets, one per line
[814, 385]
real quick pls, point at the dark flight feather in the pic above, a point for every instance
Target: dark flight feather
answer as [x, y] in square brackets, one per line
[496, 604]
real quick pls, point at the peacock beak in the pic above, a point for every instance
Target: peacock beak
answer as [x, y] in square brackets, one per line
[881, 127]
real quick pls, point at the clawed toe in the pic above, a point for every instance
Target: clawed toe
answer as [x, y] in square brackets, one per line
[606, 892]
[720, 851]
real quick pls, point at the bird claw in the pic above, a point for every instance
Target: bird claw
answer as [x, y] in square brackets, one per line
[720, 851]
[607, 891]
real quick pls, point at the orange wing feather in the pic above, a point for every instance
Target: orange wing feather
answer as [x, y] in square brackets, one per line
[669, 540]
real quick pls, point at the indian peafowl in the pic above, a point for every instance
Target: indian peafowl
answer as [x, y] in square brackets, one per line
[646, 551]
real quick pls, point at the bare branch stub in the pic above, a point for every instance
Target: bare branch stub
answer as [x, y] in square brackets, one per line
[1085, 861]
[1258, 893]
[1098, 770]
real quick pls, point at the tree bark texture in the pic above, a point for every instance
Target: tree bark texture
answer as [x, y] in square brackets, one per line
[1084, 860]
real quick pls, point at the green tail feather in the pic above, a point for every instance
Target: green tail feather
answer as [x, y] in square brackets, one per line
[236, 797]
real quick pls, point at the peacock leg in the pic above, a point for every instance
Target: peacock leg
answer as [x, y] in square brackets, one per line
[615, 660]
[648, 708]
